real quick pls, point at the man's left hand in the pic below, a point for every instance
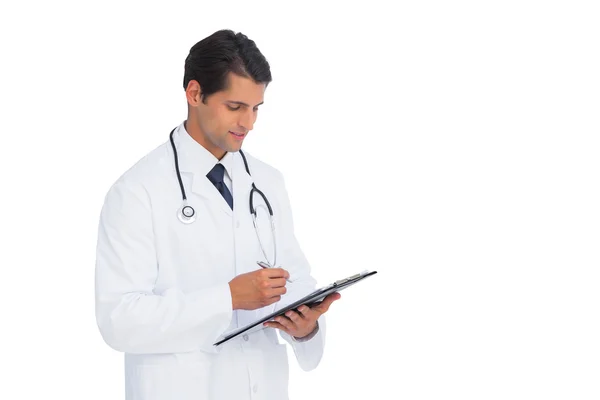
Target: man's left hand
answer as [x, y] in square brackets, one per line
[302, 323]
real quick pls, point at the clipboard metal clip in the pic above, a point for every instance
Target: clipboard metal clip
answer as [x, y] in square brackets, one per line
[350, 278]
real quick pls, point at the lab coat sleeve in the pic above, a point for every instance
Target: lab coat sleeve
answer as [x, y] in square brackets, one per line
[130, 316]
[308, 353]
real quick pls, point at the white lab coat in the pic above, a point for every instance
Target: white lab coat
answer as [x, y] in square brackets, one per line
[162, 293]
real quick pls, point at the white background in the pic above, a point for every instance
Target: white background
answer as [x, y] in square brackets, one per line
[451, 146]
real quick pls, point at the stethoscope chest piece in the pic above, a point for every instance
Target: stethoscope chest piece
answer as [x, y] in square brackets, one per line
[186, 214]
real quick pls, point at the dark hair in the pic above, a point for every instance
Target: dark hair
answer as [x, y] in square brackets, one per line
[212, 58]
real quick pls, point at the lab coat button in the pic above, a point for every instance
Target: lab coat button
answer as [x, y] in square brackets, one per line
[245, 337]
[255, 388]
[237, 224]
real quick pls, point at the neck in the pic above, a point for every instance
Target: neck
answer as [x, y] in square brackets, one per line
[192, 126]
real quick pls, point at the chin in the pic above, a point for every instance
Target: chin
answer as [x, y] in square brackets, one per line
[232, 148]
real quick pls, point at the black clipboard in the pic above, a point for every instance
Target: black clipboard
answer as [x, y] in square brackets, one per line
[310, 300]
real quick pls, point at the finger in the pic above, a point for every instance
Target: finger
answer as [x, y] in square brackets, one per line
[294, 317]
[286, 322]
[276, 273]
[276, 325]
[334, 296]
[272, 287]
[278, 291]
[308, 313]
[324, 305]
[267, 301]
[276, 282]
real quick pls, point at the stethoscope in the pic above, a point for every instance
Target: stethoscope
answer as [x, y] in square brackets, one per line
[187, 214]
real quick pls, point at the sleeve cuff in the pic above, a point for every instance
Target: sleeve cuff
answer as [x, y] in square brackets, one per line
[307, 337]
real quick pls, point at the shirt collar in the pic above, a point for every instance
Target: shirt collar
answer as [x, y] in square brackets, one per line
[227, 162]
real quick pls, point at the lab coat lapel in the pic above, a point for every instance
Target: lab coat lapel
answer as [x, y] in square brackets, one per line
[242, 184]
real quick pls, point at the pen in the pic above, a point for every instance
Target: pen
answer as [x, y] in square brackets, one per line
[265, 265]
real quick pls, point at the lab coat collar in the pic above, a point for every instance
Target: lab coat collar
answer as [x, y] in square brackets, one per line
[197, 161]
[193, 157]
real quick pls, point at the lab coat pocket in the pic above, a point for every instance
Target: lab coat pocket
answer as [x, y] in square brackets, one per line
[181, 381]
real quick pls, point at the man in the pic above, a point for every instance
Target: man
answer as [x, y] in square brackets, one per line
[177, 249]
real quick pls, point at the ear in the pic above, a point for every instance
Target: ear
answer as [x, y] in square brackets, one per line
[193, 93]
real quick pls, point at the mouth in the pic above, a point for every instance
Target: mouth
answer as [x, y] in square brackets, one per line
[238, 136]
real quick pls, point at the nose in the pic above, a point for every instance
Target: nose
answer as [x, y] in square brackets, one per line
[247, 120]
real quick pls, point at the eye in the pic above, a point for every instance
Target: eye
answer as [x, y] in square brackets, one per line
[233, 108]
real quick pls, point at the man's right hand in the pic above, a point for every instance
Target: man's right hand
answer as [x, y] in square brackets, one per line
[258, 289]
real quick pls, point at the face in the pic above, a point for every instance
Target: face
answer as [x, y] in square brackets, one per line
[223, 120]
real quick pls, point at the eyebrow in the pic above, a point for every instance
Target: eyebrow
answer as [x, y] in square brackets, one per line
[242, 103]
